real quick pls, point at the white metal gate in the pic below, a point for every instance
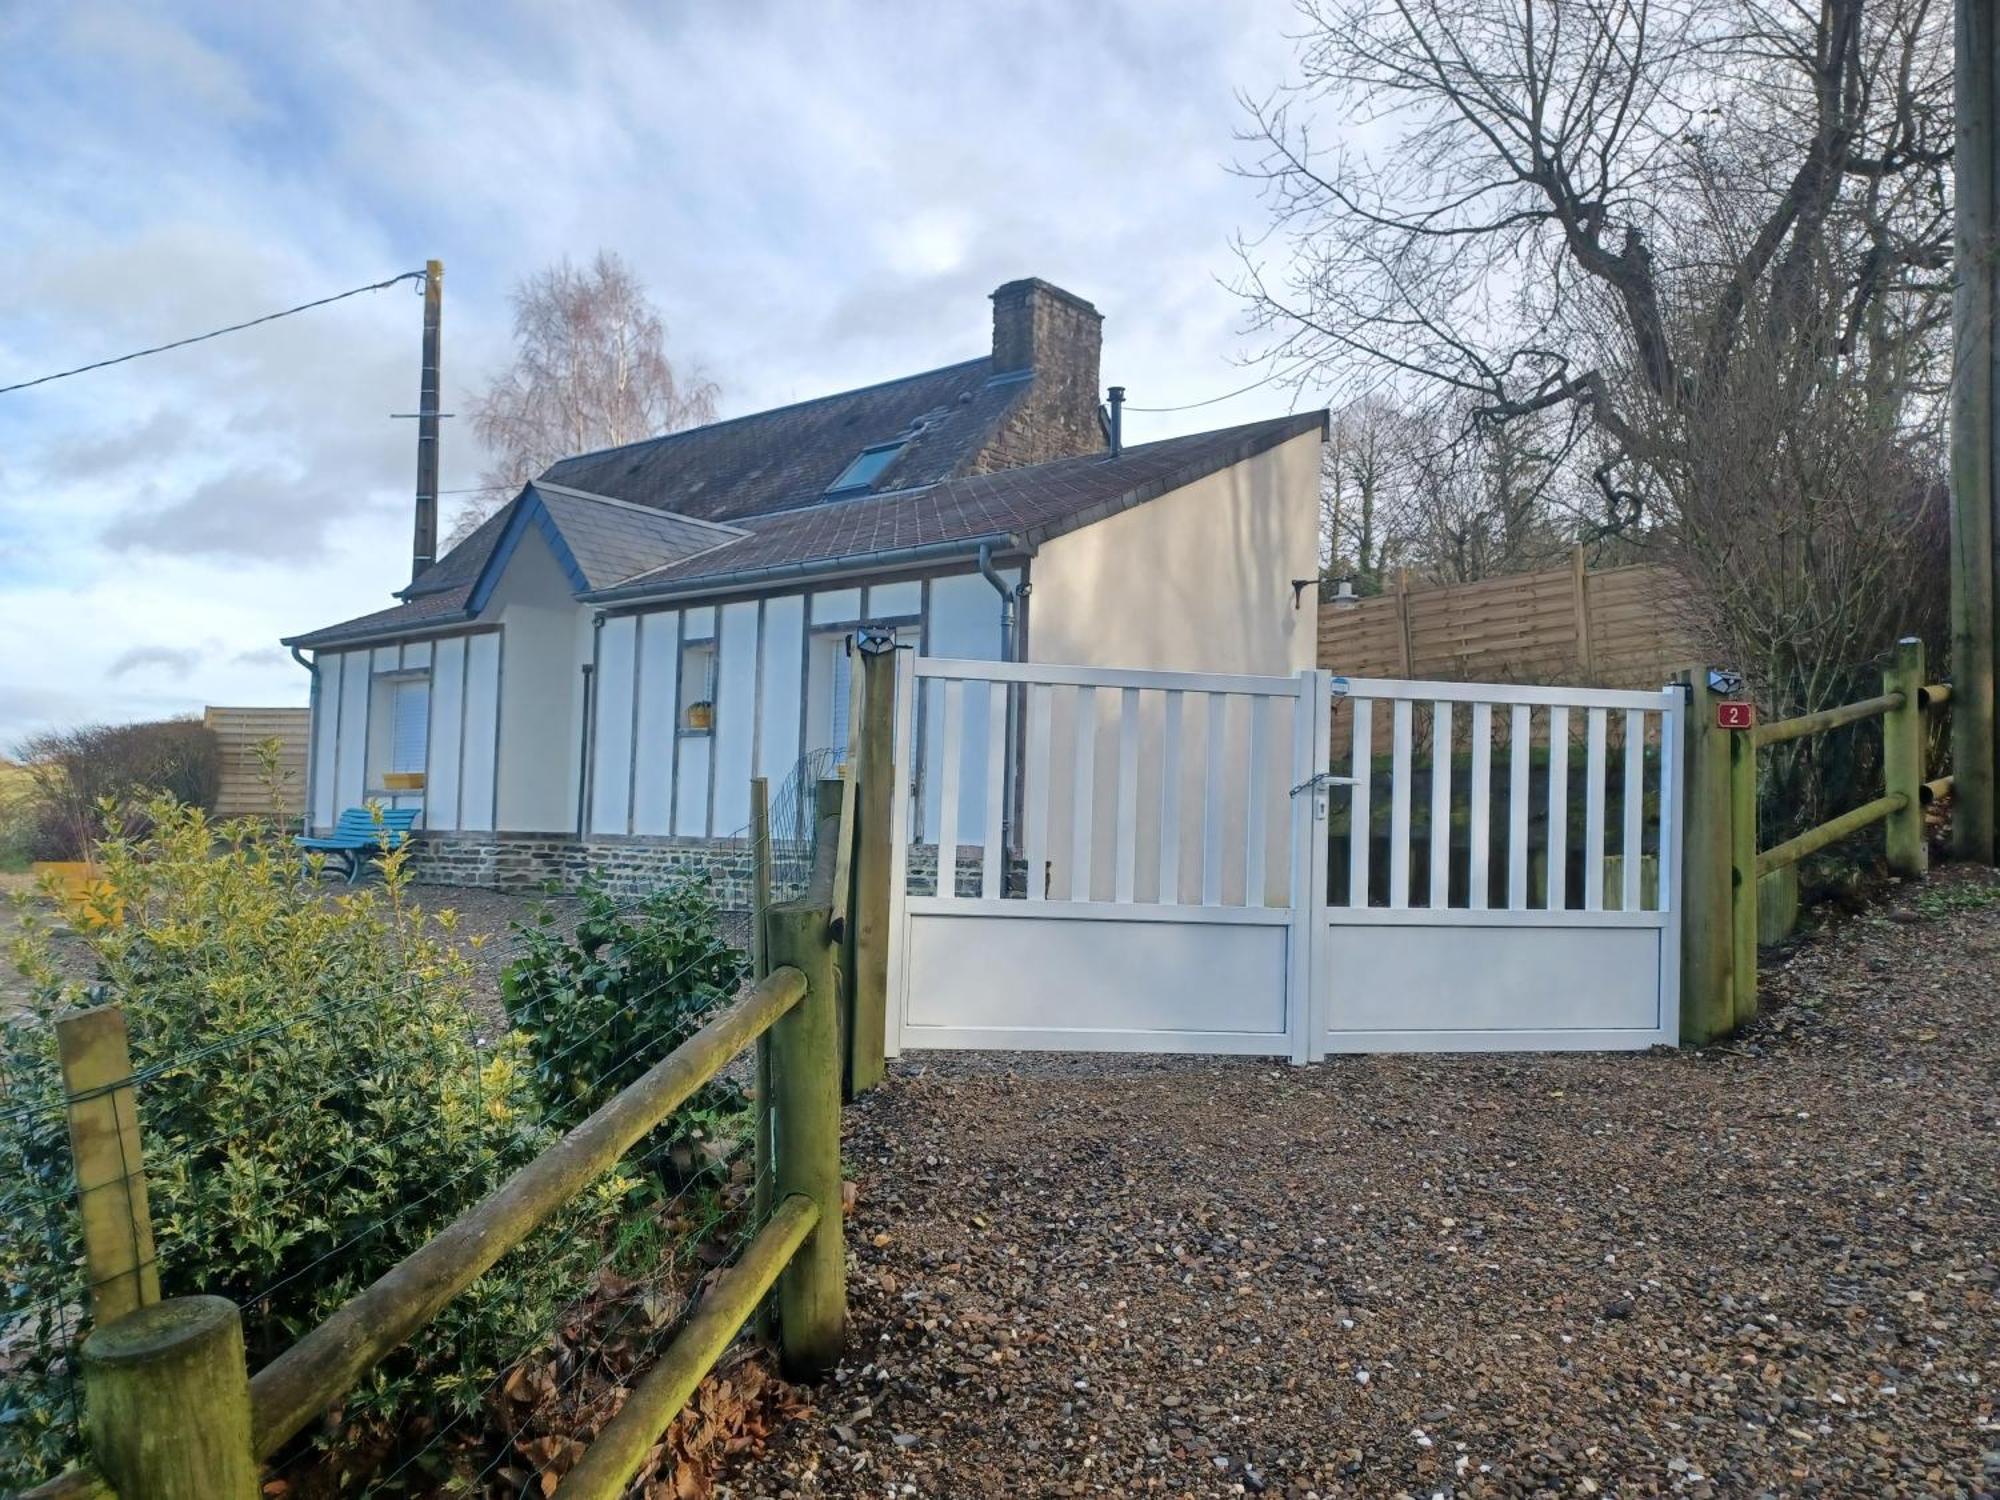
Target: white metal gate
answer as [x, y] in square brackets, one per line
[1176, 865]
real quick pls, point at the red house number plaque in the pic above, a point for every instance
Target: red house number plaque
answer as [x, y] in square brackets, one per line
[1735, 715]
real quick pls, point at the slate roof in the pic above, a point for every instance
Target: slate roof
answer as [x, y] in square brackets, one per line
[616, 550]
[1031, 504]
[610, 540]
[779, 459]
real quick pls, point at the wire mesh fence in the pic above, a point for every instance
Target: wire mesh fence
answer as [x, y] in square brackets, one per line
[291, 1159]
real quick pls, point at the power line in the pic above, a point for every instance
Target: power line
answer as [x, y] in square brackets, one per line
[1244, 390]
[375, 286]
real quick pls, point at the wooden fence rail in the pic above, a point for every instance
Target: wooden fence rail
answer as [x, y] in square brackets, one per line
[172, 1413]
[1723, 861]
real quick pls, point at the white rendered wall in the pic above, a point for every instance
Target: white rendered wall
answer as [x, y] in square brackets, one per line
[540, 692]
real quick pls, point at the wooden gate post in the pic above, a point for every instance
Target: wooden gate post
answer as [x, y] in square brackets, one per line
[1903, 760]
[875, 794]
[1707, 1004]
[1742, 876]
[96, 1059]
[167, 1402]
[805, 1128]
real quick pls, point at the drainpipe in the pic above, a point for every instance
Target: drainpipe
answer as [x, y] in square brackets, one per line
[312, 734]
[1010, 650]
[583, 732]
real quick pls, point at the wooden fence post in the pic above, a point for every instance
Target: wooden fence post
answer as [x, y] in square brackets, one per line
[1579, 575]
[760, 966]
[805, 1098]
[1406, 645]
[167, 1402]
[1903, 760]
[1742, 876]
[875, 792]
[96, 1059]
[1707, 1011]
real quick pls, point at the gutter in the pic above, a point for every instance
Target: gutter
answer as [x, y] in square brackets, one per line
[966, 549]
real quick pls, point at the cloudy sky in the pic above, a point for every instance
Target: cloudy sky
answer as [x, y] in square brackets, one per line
[817, 195]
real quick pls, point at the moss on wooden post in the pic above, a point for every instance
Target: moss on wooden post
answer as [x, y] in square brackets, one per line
[1706, 1003]
[96, 1061]
[1742, 875]
[805, 1097]
[1903, 759]
[760, 967]
[167, 1402]
[873, 796]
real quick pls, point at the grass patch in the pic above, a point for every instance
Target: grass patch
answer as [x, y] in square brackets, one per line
[1959, 895]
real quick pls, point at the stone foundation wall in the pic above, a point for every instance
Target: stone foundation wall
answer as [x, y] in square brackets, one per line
[633, 866]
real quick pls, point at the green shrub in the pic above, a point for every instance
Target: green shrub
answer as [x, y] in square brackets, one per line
[313, 1105]
[600, 1008]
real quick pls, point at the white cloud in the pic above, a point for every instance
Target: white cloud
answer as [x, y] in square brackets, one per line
[818, 195]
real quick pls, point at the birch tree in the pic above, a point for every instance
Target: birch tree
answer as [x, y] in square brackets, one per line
[590, 371]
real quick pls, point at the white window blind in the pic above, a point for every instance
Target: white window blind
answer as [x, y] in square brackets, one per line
[410, 714]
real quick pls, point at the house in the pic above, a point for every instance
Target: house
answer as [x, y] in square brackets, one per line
[594, 676]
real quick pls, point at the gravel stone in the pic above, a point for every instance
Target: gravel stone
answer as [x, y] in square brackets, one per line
[1767, 1267]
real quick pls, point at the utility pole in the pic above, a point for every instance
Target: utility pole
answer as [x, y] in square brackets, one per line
[1974, 420]
[424, 551]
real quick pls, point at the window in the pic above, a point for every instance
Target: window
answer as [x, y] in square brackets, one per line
[697, 687]
[410, 722]
[867, 467]
[843, 687]
[399, 725]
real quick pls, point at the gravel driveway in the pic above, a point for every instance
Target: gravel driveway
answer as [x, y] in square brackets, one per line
[1768, 1268]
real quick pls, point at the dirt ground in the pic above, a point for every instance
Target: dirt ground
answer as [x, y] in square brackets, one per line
[1761, 1269]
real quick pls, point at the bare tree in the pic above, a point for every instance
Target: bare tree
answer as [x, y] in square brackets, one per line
[590, 371]
[1627, 216]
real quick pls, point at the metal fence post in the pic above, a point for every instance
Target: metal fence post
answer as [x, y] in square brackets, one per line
[96, 1059]
[805, 1127]
[1706, 1006]
[167, 1402]
[1903, 760]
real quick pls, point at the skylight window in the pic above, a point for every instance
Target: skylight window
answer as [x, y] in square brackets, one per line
[867, 467]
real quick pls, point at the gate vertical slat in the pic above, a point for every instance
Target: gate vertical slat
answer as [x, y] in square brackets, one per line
[994, 864]
[1595, 777]
[1255, 814]
[1211, 805]
[1360, 816]
[1480, 810]
[1520, 744]
[1125, 877]
[1399, 808]
[951, 753]
[1632, 844]
[1035, 795]
[1083, 783]
[1312, 761]
[1558, 853]
[1440, 805]
[1170, 799]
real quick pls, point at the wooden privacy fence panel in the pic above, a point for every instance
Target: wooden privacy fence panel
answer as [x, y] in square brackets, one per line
[1615, 628]
[240, 730]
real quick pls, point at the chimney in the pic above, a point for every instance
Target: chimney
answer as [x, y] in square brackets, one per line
[1053, 337]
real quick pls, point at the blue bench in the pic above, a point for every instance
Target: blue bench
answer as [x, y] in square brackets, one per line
[362, 831]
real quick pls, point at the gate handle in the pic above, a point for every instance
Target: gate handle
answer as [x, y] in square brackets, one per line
[1322, 779]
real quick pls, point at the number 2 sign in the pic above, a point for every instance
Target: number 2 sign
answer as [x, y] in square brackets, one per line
[1735, 714]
